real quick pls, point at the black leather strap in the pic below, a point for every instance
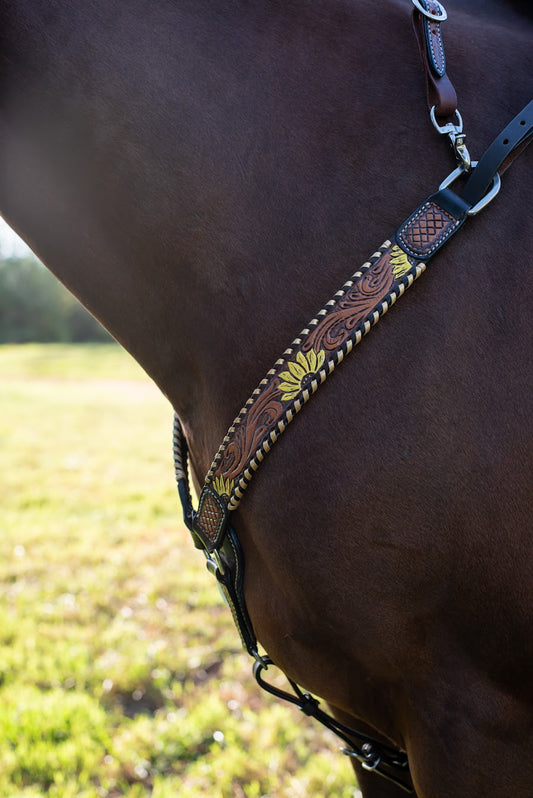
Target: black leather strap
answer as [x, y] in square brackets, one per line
[229, 571]
[499, 155]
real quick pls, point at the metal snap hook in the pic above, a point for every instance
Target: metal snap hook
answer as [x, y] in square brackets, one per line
[456, 136]
[448, 127]
[367, 756]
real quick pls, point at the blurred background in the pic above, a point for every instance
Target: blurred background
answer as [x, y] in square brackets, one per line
[33, 305]
[121, 673]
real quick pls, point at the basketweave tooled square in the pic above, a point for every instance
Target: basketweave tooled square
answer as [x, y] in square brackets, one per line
[426, 229]
[209, 518]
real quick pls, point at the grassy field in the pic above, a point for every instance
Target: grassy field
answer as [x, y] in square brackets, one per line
[121, 673]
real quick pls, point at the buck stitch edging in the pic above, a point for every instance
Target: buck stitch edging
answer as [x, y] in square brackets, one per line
[351, 338]
[434, 37]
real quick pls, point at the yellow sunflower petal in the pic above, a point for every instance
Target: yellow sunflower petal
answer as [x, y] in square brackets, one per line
[311, 361]
[399, 261]
[303, 361]
[289, 392]
[223, 486]
[296, 369]
[288, 377]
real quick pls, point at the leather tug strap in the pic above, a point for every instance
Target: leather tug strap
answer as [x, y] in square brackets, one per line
[428, 15]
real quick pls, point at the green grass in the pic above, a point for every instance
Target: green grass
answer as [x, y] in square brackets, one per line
[121, 673]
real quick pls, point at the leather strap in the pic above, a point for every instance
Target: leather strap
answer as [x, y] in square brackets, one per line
[500, 155]
[440, 91]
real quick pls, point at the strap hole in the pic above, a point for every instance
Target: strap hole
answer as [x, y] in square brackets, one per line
[522, 121]
[506, 141]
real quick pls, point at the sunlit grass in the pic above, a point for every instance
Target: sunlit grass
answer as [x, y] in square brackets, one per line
[121, 673]
[81, 361]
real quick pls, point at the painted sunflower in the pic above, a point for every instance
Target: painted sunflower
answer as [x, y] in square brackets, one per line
[223, 487]
[301, 372]
[399, 261]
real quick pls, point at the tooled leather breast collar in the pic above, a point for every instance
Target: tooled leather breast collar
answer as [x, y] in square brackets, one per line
[322, 345]
[341, 324]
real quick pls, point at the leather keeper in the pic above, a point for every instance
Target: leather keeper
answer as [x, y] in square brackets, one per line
[211, 519]
[432, 224]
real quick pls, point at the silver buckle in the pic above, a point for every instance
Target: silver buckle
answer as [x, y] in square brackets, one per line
[440, 17]
[484, 201]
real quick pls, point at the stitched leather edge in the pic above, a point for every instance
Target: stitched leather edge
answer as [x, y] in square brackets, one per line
[406, 233]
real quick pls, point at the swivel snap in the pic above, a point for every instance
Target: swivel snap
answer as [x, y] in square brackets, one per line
[456, 136]
[461, 153]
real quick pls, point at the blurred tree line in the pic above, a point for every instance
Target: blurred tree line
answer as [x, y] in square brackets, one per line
[34, 306]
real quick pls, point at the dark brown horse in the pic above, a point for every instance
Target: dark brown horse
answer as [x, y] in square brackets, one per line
[203, 175]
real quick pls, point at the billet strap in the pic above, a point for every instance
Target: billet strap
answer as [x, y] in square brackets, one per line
[336, 329]
[428, 15]
[500, 155]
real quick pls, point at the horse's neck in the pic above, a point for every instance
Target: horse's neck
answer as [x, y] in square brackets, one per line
[203, 180]
[179, 171]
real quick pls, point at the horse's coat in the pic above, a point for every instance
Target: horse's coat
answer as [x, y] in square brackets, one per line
[202, 175]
